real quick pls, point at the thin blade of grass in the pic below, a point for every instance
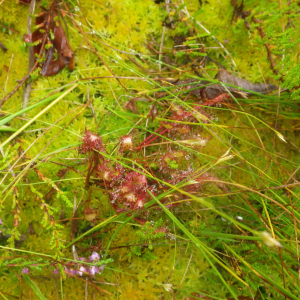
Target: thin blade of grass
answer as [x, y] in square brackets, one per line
[261, 275]
[38, 115]
[20, 112]
[202, 248]
[34, 287]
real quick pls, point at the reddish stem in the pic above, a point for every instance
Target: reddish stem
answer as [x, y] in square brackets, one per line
[159, 128]
[218, 99]
[145, 145]
[151, 135]
[87, 179]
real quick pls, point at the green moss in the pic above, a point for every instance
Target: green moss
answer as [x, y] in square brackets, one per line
[141, 271]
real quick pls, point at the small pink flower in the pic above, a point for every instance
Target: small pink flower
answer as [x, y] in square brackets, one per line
[55, 272]
[70, 271]
[82, 270]
[25, 271]
[94, 257]
[93, 270]
[27, 37]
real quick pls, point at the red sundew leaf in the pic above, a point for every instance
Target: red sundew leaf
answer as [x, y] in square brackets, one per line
[91, 142]
[59, 53]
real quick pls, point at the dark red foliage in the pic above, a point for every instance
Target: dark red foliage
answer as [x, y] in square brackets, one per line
[57, 51]
[128, 190]
[162, 230]
[110, 175]
[217, 101]
[195, 181]
[178, 114]
[132, 191]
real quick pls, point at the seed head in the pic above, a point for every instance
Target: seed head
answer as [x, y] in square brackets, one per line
[269, 240]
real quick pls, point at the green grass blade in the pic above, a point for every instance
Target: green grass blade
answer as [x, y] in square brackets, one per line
[34, 287]
[39, 114]
[264, 277]
[22, 111]
[201, 246]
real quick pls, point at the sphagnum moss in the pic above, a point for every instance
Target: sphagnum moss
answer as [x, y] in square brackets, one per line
[174, 268]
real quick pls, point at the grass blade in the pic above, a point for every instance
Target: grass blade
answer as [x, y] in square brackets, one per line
[34, 287]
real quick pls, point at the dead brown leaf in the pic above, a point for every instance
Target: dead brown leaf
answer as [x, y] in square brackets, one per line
[57, 52]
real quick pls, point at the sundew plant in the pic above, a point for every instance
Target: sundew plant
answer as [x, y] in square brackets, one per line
[149, 149]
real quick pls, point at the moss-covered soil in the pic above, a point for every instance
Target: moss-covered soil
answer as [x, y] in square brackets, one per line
[127, 157]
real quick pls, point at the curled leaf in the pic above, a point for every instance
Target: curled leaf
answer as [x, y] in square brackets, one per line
[207, 90]
[226, 77]
[130, 105]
